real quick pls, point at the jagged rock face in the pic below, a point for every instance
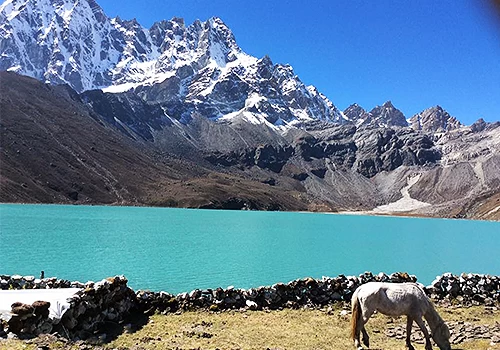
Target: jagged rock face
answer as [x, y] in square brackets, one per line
[62, 41]
[128, 113]
[434, 119]
[380, 116]
[356, 113]
[366, 151]
[268, 157]
[254, 90]
[387, 115]
[388, 149]
[59, 42]
[197, 67]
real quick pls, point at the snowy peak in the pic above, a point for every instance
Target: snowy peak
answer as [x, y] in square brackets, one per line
[200, 43]
[196, 68]
[58, 41]
[63, 41]
[222, 36]
[434, 119]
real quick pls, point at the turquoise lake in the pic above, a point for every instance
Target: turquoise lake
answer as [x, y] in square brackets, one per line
[178, 250]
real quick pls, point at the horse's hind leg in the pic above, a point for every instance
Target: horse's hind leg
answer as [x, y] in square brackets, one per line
[365, 338]
[357, 343]
[367, 313]
[360, 329]
[409, 322]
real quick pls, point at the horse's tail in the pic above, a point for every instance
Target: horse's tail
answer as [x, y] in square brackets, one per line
[356, 315]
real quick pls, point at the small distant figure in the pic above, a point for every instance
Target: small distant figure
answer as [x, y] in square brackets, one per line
[42, 275]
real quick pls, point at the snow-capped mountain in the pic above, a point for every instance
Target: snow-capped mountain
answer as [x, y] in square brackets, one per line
[60, 42]
[199, 66]
[156, 107]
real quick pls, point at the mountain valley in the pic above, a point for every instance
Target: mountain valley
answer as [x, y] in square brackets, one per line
[103, 111]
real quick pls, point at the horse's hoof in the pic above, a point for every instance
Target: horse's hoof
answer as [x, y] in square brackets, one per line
[366, 342]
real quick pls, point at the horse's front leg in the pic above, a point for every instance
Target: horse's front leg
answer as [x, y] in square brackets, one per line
[421, 324]
[409, 322]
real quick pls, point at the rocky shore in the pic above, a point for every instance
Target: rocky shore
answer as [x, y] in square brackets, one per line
[111, 303]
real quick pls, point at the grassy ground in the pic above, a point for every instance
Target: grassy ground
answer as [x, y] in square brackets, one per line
[287, 329]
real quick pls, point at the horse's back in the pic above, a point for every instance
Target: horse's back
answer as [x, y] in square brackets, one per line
[392, 299]
[376, 287]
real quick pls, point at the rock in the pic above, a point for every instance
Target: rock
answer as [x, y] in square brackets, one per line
[433, 120]
[251, 305]
[41, 308]
[386, 115]
[22, 310]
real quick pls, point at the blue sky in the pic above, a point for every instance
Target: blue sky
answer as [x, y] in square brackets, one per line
[415, 53]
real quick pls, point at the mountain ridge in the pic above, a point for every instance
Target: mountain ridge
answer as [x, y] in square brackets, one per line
[62, 42]
[187, 101]
[325, 166]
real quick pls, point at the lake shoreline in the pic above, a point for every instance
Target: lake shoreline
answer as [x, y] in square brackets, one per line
[396, 214]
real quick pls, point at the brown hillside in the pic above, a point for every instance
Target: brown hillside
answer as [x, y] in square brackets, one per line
[55, 150]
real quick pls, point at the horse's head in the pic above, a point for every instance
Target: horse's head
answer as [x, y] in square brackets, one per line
[441, 336]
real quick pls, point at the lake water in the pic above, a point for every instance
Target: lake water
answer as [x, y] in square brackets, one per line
[178, 250]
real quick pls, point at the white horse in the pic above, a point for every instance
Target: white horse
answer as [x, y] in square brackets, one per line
[396, 299]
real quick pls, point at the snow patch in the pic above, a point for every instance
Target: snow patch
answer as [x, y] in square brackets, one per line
[114, 89]
[493, 211]
[9, 10]
[406, 203]
[159, 78]
[217, 54]
[254, 99]
[14, 69]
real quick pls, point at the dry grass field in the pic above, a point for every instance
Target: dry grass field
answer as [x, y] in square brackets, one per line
[286, 329]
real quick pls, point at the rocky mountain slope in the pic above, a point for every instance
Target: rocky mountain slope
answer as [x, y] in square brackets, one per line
[179, 115]
[54, 149]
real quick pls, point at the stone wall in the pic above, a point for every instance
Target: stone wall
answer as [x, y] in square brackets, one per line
[307, 292]
[111, 301]
[466, 289]
[30, 282]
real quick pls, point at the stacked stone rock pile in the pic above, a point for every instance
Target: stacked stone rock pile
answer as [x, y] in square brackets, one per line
[30, 319]
[466, 288]
[109, 300]
[30, 282]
